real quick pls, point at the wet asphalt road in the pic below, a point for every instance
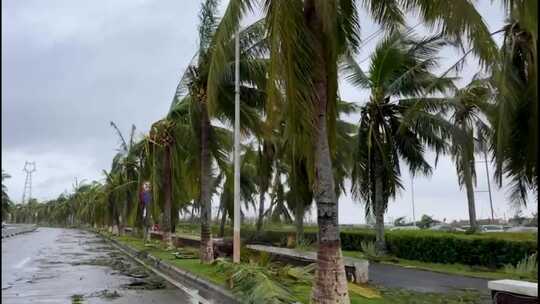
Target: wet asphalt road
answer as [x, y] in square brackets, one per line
[51, 265]
[423, 281]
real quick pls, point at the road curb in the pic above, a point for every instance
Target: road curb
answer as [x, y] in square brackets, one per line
[17, 231]
[212, 292]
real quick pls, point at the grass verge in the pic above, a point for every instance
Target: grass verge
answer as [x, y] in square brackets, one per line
[301, 291]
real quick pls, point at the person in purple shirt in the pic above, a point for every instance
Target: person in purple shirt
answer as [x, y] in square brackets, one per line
[145, 198]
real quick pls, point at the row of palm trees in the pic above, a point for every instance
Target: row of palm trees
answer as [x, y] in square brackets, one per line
[298, 147]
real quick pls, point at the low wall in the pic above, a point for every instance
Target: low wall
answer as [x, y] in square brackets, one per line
[222, 247]
[18, 229]
[214, 293]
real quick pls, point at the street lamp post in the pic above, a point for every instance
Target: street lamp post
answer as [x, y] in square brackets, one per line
[236, 236]
[412, 200]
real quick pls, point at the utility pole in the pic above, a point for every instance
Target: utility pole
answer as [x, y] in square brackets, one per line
[412, 200]
[29, 168]
[236, 230]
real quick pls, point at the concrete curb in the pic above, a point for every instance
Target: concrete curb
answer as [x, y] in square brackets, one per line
[19, 230]
[212, 292]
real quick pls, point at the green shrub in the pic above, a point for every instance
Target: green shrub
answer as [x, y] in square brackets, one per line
[428, 246]
[485, 249]
[452, 248]
[526, 267]
[368, 248]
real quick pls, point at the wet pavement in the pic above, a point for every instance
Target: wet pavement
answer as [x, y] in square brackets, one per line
[54, 265]
[423, 281]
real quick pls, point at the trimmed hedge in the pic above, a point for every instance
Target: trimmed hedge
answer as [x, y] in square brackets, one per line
[447, 248]
[491, 250]
[451, 248]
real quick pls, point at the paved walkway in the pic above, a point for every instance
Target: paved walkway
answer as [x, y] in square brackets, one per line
[392, 275]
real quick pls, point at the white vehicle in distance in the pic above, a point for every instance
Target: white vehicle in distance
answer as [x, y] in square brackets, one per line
[523, 229]
[404, 228]
[492, 228]
[444, 227]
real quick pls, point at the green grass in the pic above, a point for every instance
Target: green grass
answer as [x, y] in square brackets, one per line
[457, 269]
[400, 296]
[300, 290]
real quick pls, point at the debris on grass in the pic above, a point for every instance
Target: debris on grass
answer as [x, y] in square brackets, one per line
[364, 291]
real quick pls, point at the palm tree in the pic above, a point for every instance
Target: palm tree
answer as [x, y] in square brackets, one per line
[467, 106]
[307, 37]
[113, 182]
[300, 195]
[191, 95]
[515, 116]
[398, 79]
[265, 161]
[127, 167]
[162, 136]
[248, 185]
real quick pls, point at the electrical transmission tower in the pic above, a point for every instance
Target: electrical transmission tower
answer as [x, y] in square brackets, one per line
[29, 168]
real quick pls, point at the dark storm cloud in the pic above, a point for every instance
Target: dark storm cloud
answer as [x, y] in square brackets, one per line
[69, 67]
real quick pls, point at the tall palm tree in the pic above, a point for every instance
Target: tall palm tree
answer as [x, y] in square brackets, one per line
[399, 77]
[162, 136]
[306, 39]
[265, 161]
[192, 95]
[515, 116]
[467, 106]
[127, 167]
[300, 195]
[248, 185]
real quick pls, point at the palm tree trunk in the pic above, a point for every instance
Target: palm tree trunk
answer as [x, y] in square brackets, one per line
[207, 252]
[380, 244]
[121, 218]
[330, 281]
[167, 196]
[115, 218]
[223, 221]
[467, 176]
[299, 220]
[261, 212]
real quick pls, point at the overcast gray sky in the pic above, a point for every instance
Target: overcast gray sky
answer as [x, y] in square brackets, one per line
[69, 67]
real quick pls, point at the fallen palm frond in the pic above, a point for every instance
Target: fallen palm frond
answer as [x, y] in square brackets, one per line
[364, 291]
[253, 283]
